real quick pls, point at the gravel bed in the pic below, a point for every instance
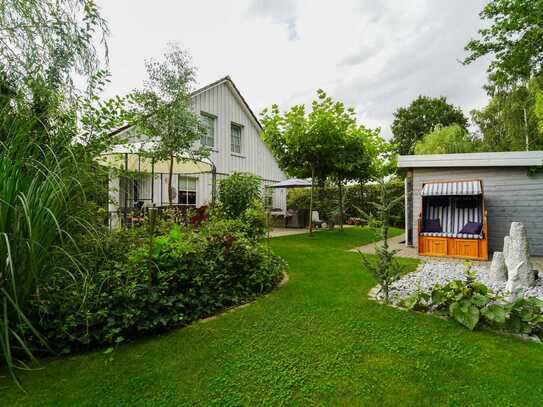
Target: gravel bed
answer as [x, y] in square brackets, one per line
[437, 272]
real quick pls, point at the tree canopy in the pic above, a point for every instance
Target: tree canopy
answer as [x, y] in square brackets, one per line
[325, 144]
[165, 114]
[509, 121]
[309, 143]
[446, 140]
[513, 37]
[421, 117]
[50, 41]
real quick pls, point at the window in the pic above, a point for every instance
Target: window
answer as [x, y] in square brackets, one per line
[235, 142]
[208, 139]
[187, 191]
[268, 198]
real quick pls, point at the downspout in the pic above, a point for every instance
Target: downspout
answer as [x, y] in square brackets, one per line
[409, 208]
[153, 181]
[125, 214]
[311, 201]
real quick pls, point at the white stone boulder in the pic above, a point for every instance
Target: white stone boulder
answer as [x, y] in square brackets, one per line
[515, 285]
[516, 252]
[498, 270]
[506, 258]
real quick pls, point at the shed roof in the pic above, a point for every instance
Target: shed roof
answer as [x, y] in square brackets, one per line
[501, 159]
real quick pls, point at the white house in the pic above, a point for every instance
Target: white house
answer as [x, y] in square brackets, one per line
[234, 136]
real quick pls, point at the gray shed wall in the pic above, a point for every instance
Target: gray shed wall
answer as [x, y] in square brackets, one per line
[511, 195]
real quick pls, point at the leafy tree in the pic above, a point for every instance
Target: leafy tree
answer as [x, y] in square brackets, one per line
[513, 37]
[304, 144]
[386, 269]
[98, 118]
[421, 117]
[509, 122]
[307, 145]
[536, 87]
[450, 139]
[50, 41]
[353, 162]
[165, 114]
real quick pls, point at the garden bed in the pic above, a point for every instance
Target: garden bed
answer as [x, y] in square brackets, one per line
[430, 273]
[467, 294]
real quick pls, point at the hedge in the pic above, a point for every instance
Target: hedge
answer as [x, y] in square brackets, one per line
[326, 200]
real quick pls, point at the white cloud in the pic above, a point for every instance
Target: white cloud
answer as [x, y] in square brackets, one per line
[373, 55]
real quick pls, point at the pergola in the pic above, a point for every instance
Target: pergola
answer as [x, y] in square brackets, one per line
[298, 183]
[137, 158]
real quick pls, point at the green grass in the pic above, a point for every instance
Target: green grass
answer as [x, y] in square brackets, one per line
[316, 340]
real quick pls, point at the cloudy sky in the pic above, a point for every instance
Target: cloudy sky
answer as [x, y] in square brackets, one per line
[374, 55]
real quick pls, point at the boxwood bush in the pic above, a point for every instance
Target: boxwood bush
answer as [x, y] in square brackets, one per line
[145, 287]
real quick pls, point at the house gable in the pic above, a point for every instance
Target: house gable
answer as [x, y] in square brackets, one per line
[223, 101]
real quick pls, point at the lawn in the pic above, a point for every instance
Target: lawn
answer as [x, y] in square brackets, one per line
[315, 340]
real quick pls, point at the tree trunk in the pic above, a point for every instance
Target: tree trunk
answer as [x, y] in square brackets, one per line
[311, 202]
[361, 184]
[340, 188]
[526, 130]
[170, 192]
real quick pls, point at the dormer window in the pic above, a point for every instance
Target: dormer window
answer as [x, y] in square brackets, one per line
[208, 121]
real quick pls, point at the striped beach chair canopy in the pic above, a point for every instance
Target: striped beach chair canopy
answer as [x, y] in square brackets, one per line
[452, 188]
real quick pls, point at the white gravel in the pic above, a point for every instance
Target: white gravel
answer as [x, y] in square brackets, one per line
[437, 272]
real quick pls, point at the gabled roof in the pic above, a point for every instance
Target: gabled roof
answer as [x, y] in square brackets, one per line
[501, 159]
[229, 82]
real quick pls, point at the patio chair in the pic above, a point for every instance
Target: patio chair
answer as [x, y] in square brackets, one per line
[315, 219]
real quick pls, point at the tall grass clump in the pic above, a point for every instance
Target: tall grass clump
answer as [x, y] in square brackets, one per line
[40, 197]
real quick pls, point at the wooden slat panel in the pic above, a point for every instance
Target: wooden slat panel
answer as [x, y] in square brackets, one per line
[510, 195]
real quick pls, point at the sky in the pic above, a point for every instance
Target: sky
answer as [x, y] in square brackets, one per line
[373, 55]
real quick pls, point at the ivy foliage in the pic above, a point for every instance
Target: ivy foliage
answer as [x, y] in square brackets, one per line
[139, 288]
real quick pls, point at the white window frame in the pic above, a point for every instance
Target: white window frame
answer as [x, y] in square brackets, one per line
[268, 198]
[208, 121]
[236, 148]
[183, 186]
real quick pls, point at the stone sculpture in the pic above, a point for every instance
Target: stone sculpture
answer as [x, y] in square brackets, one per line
[516, 259]
[498, 270]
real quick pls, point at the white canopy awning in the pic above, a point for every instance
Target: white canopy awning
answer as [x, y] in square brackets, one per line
[452, 188]
[292, 183]
[133, 157]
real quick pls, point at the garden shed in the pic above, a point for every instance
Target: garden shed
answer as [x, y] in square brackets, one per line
[447, 196]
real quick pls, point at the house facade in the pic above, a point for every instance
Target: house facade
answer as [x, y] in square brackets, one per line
[234, 137]
[511, 187]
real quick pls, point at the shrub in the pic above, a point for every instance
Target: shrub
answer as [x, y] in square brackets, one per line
[240, 199]
[237, 193]
[183, 276]
[386, 269]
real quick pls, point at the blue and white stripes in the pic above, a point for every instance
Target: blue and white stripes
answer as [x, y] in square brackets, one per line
[453, 218]
[452, 188]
